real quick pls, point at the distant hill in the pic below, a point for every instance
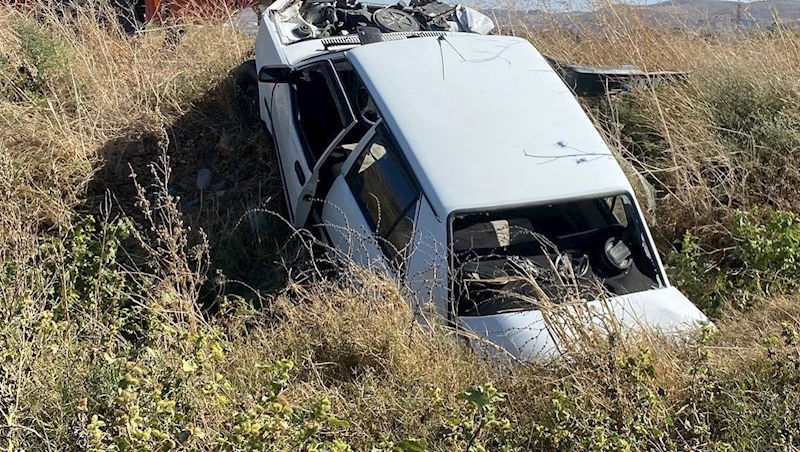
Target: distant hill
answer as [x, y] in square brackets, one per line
[721, 13]
[695, 14]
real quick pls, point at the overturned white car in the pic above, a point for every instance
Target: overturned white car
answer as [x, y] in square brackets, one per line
[459, 162]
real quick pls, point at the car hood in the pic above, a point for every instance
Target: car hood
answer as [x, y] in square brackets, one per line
[525, 335]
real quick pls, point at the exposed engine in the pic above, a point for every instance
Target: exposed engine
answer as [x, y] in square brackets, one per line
[323, 18]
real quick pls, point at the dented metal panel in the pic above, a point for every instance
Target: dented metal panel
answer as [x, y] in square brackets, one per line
[525, 334]
[593, 81]
[485, 122]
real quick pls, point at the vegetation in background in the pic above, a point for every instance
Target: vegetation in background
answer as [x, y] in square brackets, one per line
[763, 259]
[141, 314]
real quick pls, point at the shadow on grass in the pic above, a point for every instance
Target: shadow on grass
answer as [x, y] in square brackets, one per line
[239, 207]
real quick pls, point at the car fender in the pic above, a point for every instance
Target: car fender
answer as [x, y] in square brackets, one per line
[269, 52]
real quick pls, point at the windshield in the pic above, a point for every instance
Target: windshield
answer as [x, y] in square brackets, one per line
[580, 250]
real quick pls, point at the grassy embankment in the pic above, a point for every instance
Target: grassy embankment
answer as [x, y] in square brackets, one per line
[124, 327]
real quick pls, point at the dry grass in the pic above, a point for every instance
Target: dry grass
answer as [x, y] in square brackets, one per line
[76, 84]
[105, 343]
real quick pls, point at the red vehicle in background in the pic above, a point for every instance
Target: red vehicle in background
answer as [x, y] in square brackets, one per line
[131, 12]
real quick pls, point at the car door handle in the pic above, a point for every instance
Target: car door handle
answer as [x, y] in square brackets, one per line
[299, 171]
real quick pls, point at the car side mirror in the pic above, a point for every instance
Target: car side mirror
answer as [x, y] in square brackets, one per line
[275, 74]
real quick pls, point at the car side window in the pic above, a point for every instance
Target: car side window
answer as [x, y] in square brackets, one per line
[318, 113]
[387, 194]
[363, 105]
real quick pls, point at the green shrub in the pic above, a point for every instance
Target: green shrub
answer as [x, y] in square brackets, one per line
[7, 73]
[153, 410]
[696, 274]
[622, 401]
[83, 264]
[768, 246]
[476, 425]
[45, 56]
[622, 411]
[748, 405]
[764, 259]
[748, 112]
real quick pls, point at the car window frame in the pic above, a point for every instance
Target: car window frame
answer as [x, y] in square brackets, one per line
[340, 98]
[381, 131]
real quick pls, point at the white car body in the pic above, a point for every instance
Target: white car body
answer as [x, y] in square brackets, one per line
[455, 127]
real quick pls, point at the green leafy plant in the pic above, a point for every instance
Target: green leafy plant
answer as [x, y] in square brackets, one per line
[274, 424]
[44, 57]
[84, 265]
[764, 260]
[698, 276]
[476, 425]
[625, 408]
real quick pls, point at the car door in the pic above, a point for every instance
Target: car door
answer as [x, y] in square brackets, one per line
[370, 209]
[268, 53]
[307, 116]
[427, 276]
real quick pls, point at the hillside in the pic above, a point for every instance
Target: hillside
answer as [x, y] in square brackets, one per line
[697, 15]
[141, 313]
[721, 13]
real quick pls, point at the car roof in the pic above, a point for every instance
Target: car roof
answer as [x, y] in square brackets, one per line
[485, 122]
